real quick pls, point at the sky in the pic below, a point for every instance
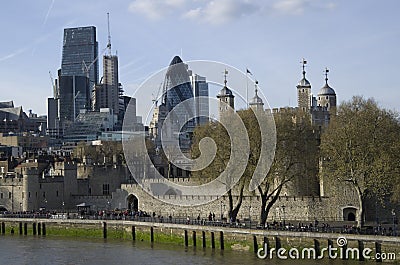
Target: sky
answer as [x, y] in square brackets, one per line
[356, 39]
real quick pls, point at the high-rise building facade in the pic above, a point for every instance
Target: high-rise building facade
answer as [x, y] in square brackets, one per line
[79, 54]
[107, 94]
[201, 102]
[74, 95]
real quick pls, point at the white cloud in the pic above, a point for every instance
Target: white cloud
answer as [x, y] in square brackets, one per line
[298, 7]
[155, 9]
[221, 11]
[291, 6]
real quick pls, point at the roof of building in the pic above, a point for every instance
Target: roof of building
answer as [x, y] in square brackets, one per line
[11, 113]
[225, 91]
[256, 100]
[176, 60]
[326, 90]
[7, 104]
[304, 82]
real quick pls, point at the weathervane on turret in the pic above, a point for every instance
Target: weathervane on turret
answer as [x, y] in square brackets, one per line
[304, 62]
[326, 71]
[225, 74]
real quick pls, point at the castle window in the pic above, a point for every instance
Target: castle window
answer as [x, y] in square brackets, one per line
[29, 194]
[327, 97]
[40, 186]
[303, 90]
[9, 195]
[57, 193]
[106, 189]
[44, 194]
[1, 195]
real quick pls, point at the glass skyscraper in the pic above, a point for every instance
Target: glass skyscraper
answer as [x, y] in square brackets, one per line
[177, 88]
[79, 54]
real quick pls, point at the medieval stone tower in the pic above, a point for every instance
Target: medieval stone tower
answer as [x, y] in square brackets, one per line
[304, 96]
[327, 96]
[256, 103]
[226, 98]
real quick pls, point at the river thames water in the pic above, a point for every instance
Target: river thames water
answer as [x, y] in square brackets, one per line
[19, 250]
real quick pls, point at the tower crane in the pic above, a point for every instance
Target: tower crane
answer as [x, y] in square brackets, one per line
[54, 86]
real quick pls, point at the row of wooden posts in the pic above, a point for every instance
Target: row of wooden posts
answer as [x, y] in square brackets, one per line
[40, 229]
[278, 245]
[37, 229]
[186, 239]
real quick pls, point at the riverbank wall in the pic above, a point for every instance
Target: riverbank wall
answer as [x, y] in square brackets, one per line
[195, 236]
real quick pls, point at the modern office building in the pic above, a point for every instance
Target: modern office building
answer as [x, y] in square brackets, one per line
[200, 93]
[78, 73]
[108, 92]
[79, 54]
[74, 95]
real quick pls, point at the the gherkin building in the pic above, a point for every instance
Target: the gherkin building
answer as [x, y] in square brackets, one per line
[177, 89]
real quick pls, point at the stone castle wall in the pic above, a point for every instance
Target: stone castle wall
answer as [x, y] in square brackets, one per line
[304, 208]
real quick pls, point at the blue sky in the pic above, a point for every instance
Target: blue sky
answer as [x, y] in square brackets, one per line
[356, 39]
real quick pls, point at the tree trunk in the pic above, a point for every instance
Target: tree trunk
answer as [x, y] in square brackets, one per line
[360, 216]
[266, 207]
[233, 211]
[264, 213]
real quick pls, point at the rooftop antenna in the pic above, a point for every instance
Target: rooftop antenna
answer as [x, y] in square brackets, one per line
[109, 35]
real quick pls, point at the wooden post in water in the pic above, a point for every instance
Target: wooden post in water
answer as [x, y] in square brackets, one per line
[360, 250]
[278, 244]
[344, 252]
[317, 247]
[378, 249]
[151, 234]
[3, 228]
[203, 236]
[39, 228]
[330, 246]
[20, 228]
[43, 229]
[194, 238]
[221, 240]
[104, 230]
[255, 245]
[186, 239]
[25, 228]
[133, 232]
[34, 229]
[212, 240]
[266, 245]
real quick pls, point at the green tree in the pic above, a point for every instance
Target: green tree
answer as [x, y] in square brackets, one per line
[220, 136]
[361, 147]
[295, 138]
[296, 155]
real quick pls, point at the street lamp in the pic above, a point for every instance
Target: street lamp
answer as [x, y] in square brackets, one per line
[283, 210]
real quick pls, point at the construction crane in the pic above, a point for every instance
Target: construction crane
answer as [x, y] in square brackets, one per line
[86, 68]
[155, 98]
[54, 86]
